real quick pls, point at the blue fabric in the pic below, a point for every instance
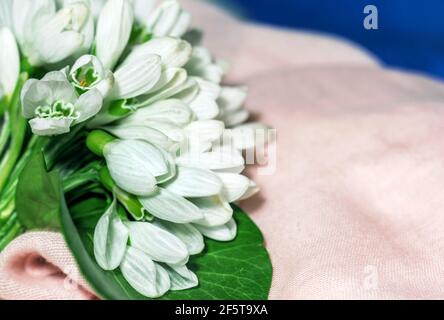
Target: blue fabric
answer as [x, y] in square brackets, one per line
[410, 34]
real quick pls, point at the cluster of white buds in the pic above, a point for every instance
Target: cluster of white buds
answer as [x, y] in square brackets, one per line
[156, 113]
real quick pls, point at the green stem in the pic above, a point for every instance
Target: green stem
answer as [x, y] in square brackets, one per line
[18, 126]
[5, 133]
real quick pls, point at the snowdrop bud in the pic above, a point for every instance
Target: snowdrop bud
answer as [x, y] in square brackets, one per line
[181, 278]
[110, 239]
[134, 165]
[9, 62]
[173, 52]
[113, 31]
[57, 36]
[158, 243]
[145, 276]
[143, 9]
[226, 232]
[136, 76]
[169, 19]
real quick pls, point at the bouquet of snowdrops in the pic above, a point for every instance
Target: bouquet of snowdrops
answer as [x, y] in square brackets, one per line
[115, 131]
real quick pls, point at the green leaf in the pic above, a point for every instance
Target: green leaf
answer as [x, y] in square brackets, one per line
[240, 269]
[38, 195]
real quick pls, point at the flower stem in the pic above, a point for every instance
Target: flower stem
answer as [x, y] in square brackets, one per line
[18, 126]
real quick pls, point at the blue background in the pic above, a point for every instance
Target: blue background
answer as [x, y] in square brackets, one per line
[410, 34]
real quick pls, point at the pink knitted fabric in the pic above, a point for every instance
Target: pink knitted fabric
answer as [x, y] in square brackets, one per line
[353, 209]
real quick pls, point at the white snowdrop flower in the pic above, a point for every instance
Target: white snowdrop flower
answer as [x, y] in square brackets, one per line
[226, 232]
[136, 76]
[110, 239]
[113, 31]
[88, 73]
[48, 36]
[204, 103]
[174, 53]
[231, 102]
[169, 19]
[190, 236]
[143, 9]
[9, 62]
[159, 244]
[53, 105]
[135, 165]
[203, 65]
[143, 274]
[181, 278]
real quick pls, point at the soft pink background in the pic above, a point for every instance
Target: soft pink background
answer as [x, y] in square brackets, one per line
[354, 209]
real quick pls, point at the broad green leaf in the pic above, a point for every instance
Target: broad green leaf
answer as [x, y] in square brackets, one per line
[240, 269]
[38, 195]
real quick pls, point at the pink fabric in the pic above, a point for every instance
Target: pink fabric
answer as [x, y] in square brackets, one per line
[354, 207]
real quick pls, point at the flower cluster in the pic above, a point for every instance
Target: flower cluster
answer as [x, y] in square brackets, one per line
[132, 75]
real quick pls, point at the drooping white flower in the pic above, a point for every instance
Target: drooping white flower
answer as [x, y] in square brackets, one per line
[110, 239]
[169, 19]
[143, 274]
[48, 36]
[203, 65]
[88, 73]
[135, 165]
[9, 62]
[53, 105]
[159, 244]
[113, 31]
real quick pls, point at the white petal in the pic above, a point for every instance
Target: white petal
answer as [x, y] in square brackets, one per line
[88, 105]
[50, 127]
[194, 182]
[60, 36]
[226, 232]
[235, 118]
[106, 84]
[181, 278]
[134, 164]
[34, 93]
[234, 186]
[158, 243]
[9, 61]
[232, 98]
[110, 239]
[214, 160]
[6, 13]
[113, 31]
[170, 111]
[174, 52]
[168, 206]
[182, 25]
[143, 9]
[172, 81]
[164, 18]
[202, 133]
[215, 210]
[187, 233]
[138, 132]
[143, 274]
[204, 105]
[251, 191]
[136, 77]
